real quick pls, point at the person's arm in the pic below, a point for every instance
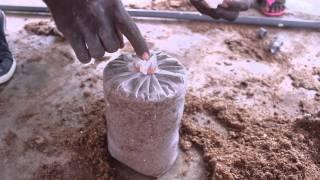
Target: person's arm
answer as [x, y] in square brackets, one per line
[229, 10]
[95, 26]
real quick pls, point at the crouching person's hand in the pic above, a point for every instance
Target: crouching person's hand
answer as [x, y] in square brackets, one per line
[228, 9]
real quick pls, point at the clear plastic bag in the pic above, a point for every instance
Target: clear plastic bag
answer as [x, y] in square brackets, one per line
[143, 112]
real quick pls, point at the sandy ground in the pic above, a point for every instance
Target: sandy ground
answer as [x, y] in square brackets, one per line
[249, 114]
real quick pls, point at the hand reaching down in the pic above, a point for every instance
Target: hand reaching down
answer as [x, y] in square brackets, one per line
[95, 26]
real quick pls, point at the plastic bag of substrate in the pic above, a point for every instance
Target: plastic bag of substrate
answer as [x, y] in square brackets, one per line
[144, 107]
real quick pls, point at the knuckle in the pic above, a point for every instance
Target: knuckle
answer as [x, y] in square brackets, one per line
[84, 59]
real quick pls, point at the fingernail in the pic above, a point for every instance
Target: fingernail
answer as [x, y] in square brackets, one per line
[151, 71]
[145, 56]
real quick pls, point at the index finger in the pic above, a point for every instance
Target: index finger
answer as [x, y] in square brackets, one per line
[126, 25]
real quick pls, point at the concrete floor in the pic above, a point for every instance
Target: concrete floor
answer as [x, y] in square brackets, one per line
[47, 77]
[33, 82]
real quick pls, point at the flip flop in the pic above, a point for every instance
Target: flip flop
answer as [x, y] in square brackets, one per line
[272, 8]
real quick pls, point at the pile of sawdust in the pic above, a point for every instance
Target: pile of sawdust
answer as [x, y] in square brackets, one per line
[304, 79]
[88, 147]
[250, 46]
[43, 28]
[274, 148]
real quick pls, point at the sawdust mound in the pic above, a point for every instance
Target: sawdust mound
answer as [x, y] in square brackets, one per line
[43, 28]
[90, 159]
[309, 127]
[268, 149]
[254, 48]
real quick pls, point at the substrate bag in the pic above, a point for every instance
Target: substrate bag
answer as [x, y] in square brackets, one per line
[144, 111]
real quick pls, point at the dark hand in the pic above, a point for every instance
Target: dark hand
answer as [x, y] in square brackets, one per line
[95, 26]
[229, 10]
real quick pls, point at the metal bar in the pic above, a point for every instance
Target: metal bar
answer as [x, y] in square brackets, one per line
[190, 16]
[25, 9]
[252, 20]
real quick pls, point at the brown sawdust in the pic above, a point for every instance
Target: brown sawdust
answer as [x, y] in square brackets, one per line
[250, 46]
[88, 147]
[268, 149]
[43, 28]
[304, 79]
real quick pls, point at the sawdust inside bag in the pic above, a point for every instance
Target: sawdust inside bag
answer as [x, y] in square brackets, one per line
[144, 112]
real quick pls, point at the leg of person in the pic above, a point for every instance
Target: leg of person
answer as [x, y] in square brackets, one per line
[7, 62]
[271, 7]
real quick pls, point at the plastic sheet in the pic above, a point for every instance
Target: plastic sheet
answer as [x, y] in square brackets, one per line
[143, 113]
